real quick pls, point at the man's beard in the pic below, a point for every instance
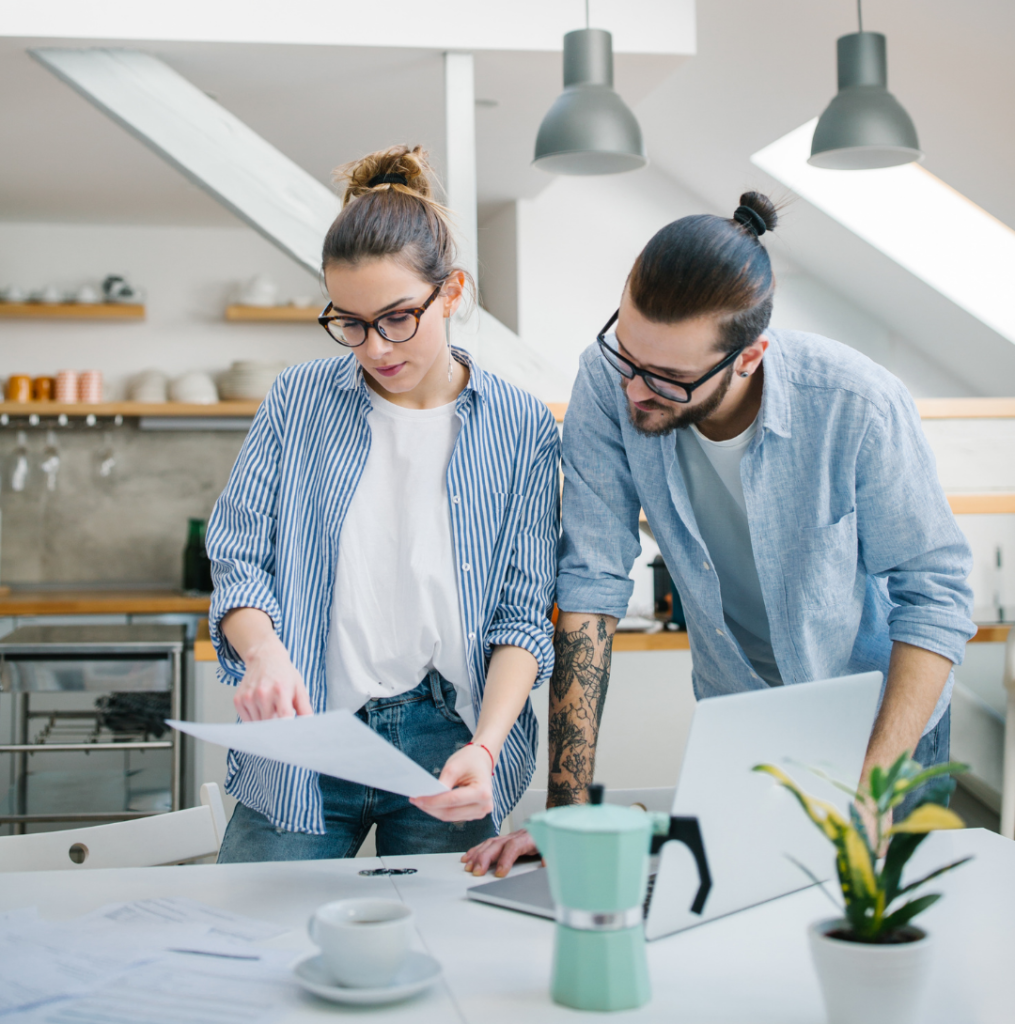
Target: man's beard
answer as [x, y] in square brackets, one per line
[677, 418]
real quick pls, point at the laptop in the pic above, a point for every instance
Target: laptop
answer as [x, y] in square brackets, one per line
[751, 826]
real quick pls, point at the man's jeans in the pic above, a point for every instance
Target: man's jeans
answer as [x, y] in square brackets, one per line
[423, 724]
[934, 748]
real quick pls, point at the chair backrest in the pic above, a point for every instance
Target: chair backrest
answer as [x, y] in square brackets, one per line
[140, 842]
[658, 798]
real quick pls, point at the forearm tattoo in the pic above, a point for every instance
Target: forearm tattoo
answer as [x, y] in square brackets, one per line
[578, 686]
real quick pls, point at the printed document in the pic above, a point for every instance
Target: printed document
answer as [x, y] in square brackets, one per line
[336, 743]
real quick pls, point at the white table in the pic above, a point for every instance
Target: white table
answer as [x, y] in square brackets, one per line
[750, 967]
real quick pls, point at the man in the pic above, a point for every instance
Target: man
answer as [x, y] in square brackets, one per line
[791, 491]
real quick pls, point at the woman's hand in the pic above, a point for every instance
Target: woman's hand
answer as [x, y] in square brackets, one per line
[467, 773]
[271, 687]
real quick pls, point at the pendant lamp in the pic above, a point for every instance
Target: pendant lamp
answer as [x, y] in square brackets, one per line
[865, 126]
[589, 129]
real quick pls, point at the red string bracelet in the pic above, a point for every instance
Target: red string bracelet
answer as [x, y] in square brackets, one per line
[493, 763]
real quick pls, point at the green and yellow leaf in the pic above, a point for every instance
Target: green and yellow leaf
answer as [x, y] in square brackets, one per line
[928, 818]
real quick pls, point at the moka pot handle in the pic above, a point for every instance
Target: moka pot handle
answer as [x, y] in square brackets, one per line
[688, 832]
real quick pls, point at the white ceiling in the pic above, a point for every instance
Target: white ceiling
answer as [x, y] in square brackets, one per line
[320, 105]
[763, 69]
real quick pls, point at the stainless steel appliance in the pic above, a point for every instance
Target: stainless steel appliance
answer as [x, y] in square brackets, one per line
[95, 696]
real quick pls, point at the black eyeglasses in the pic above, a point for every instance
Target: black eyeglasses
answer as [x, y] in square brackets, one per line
[671, 390]
[399, 325]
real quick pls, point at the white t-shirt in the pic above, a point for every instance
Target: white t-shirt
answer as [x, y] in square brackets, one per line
[396, 610]
[725, 457]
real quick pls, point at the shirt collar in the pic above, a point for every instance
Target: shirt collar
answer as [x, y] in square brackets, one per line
[775, 410]
[349, 374]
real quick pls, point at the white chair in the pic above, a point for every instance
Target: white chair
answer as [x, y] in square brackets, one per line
[140, 842]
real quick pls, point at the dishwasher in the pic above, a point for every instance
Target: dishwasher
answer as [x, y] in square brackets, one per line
[85, 720]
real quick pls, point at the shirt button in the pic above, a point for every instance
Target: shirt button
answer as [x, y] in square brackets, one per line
[706, 565]
[466, 567]
[472, 636]
[720, 632]
[454, 499]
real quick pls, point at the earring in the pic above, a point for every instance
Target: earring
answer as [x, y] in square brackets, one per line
[447, 334]
[745, 374]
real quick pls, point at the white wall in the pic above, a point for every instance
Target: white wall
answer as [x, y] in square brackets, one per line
[189, 275]
[577, 241]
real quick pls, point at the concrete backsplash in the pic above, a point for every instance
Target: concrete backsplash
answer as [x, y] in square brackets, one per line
[129, 528]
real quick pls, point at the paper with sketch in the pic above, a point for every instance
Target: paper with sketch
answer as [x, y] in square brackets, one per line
[336, 743]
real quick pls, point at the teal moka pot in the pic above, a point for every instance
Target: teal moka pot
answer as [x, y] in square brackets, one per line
[597, 858]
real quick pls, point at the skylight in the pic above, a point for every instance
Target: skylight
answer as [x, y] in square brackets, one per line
[915, 219]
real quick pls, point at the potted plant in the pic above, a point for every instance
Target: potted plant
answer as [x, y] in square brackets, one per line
[872, 961]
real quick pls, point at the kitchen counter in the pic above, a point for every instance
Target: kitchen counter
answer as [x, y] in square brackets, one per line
[203, 650]
[100, 602]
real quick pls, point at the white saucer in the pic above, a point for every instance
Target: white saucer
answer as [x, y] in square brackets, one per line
[420, 972]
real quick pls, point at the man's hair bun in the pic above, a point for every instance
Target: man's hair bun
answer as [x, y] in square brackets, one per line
[757, 213]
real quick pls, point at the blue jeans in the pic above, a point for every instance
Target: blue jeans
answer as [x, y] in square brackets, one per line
[934, 748]
[423, 724]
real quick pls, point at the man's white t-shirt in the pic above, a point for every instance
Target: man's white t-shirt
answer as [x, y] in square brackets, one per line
[725, 457]
[396, 609]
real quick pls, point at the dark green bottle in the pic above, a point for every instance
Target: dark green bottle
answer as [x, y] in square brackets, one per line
[196, 564]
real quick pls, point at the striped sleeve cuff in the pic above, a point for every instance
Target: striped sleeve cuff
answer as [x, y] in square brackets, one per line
[538, 642]
[249, 594]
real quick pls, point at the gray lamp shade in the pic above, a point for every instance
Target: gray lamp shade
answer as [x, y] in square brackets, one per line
[865, 126]
[589, 129]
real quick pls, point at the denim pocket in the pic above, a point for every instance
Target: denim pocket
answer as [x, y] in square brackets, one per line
[444, 698]
[825, 562]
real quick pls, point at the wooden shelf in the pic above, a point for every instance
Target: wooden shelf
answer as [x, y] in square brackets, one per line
[663, 641]
[965, 408]
[72, 311]
[100, 602]
[273, 314]
[979, 504]
[129, 409]
[929, 408]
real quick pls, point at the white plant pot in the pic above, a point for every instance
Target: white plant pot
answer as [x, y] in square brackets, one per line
[865, 983]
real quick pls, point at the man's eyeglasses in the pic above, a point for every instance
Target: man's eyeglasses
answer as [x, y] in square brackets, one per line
[671, 390]
[399, 325]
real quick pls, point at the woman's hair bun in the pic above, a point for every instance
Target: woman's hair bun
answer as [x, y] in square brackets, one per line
[766, 216]
[410, 164]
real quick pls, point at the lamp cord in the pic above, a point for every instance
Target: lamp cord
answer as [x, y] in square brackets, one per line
[859, 12]
[587, 12]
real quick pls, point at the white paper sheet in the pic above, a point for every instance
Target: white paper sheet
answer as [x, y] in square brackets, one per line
[336, 743]
[178, 910]
[182, 990]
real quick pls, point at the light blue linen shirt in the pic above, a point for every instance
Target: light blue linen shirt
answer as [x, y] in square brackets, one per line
[854, 542]
[274, 535]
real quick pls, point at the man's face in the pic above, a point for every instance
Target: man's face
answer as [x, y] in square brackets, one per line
[683, 351]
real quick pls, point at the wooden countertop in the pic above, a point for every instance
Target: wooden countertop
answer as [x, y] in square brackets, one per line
[203, 650]
[99, 602]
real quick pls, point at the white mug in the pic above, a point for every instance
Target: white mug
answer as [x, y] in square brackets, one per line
[364, 942]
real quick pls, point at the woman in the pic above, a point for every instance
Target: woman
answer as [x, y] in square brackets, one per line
[386, 544]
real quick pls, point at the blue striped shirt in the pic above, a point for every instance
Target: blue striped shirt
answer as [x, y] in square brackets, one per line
[274, 534]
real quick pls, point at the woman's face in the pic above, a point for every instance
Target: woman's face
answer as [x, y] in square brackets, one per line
[369, 290]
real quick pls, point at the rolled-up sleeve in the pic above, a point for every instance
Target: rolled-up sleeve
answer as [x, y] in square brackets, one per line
[522, 617]
[241, 532]
[599, 541]
[908, 534]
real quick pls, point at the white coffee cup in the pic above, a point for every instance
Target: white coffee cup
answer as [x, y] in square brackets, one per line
[364, 942]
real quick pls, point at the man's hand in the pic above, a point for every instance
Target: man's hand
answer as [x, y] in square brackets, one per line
[502, 850]
[271, 687]
[467, 774]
